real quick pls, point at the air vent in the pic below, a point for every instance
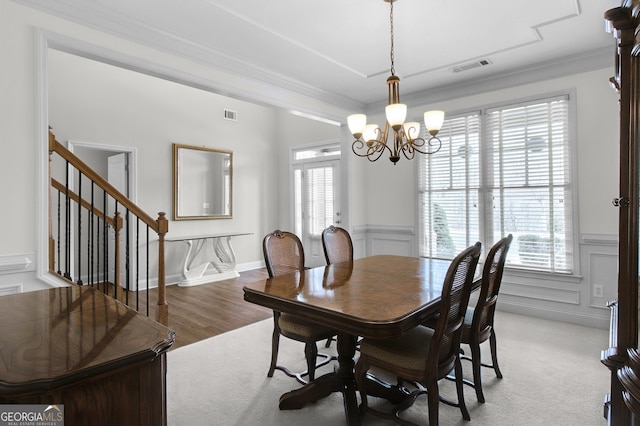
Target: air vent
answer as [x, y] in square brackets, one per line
[230, 115]
[471, 65]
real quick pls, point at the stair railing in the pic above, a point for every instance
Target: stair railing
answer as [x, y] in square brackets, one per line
[94, 229]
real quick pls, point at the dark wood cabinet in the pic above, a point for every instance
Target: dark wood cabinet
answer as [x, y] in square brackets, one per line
[623, 24]
[75, 346]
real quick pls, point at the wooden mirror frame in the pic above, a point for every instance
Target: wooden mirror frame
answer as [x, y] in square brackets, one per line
[220, 203]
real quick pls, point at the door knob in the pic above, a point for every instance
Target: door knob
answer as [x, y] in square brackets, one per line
[620, 202]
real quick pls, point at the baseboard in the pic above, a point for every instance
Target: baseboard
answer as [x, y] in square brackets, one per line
[577, 318]
[250, 266]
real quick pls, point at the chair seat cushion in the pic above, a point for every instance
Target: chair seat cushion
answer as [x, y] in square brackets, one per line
[407, 351]
[297, 326]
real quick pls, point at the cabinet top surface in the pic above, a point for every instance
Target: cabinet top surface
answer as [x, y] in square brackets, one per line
[51, 337]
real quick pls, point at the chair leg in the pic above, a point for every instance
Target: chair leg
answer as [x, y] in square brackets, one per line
[275, 344]
[460, 390]
[433, 398]
[311, 353]
[494, 353]
[477, 374]
[360, 372]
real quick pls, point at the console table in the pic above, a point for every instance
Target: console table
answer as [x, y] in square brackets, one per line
[204, 251]
[76, 347]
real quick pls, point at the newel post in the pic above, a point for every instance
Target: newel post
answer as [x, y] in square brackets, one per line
[162, 313]
[52, 242]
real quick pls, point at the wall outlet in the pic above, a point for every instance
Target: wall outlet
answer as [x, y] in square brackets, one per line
[598, 290]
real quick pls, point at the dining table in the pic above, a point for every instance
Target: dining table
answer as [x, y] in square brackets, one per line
[380, 296]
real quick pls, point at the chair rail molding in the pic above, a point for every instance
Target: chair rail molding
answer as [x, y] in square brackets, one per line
[13, 263]
[18, 274]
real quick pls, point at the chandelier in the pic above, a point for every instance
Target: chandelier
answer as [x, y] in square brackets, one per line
[372, 142]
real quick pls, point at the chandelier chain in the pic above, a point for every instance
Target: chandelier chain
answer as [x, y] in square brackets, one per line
[393, 68]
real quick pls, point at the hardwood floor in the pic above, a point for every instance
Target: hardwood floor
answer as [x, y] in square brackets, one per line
[199, 312]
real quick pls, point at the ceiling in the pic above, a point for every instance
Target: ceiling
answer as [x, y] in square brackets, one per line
[339, 49]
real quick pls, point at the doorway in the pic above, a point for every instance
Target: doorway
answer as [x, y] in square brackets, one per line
[316, 200]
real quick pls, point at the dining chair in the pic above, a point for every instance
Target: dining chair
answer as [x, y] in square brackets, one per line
[337, 245]
[284, 254]
[478, 321]
[424, 355]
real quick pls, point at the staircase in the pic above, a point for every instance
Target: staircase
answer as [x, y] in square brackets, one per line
[100, 238]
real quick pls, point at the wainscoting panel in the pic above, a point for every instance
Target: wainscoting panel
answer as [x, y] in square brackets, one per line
[399, 240]
[549, 294]
[602, 274]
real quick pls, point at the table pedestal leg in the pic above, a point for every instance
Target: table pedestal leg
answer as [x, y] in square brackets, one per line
[341, 380]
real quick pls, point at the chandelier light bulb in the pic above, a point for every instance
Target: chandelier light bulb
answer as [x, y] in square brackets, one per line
[396, 114]
[370, 133]
[412, 130]
[357, 123]
[433, 121]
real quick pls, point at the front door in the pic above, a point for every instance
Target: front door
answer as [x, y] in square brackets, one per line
[316, 204]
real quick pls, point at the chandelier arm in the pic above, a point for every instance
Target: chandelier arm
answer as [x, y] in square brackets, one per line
[408, 151]
[374, 148]
[420, 145]
[373, 152]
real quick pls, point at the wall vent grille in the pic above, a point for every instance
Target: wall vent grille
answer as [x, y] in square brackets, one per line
[471, 65]
[230, 115]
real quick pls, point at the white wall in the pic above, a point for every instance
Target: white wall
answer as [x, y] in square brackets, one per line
[295, 131]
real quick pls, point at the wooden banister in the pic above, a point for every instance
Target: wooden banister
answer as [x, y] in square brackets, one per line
[62, 151]
[94, 210]
[160, 226]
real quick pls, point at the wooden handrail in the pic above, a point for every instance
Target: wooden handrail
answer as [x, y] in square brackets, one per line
[160, 225]
[57, 147]
[96, 211]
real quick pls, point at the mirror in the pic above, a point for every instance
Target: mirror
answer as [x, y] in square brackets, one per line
[202, 183]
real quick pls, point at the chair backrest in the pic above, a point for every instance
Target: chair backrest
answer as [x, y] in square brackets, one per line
[283, 253]
[337, 245]
[456, 289]
[491, 279]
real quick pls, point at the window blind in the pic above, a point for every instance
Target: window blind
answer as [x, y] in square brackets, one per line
[502, 170]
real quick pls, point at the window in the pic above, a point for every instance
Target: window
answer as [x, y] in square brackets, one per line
[501, 170]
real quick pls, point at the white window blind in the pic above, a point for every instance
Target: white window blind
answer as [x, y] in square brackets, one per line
[319, 188]
[314, 198]
[513, 176]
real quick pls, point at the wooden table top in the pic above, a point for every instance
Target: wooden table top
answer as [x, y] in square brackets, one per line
[376, 296]
[52, 337]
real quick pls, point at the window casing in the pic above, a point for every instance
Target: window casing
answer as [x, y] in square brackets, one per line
[502, 170]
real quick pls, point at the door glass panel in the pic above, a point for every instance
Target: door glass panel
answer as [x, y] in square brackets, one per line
[316, 200]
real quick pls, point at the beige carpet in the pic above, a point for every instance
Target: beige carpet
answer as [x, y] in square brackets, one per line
[552, 376]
